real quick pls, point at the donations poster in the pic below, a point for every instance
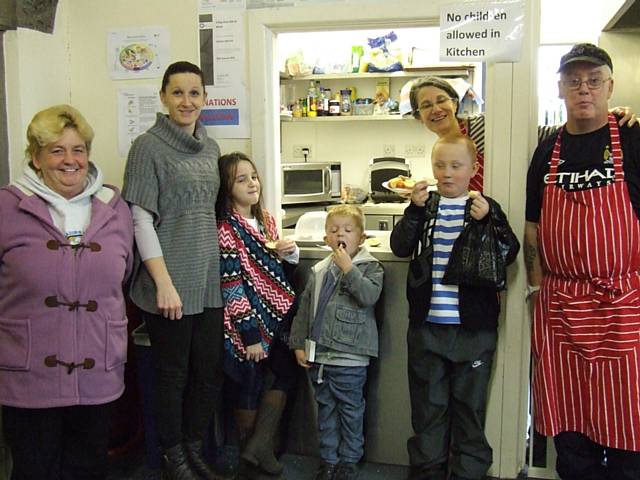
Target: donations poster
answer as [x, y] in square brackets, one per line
[222, 59]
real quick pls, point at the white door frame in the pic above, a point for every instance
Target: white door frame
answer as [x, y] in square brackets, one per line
[511, 119]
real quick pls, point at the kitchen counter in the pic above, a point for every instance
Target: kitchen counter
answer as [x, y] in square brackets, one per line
[316, 248]
[378, 216]
[384, 208]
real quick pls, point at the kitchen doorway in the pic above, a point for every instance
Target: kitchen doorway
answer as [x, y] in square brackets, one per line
[511, 109]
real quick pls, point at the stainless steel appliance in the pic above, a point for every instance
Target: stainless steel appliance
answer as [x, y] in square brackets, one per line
[310, 182]
[381, 170]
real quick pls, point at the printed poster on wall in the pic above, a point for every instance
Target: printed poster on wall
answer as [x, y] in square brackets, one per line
[137, 108]
[482, 31]
[210, 4]
[222, 59]
[141, 52]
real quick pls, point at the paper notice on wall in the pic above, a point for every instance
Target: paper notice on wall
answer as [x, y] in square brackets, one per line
[222, 58]
[141, 52]
[482, 31]
[137, 108]
[210, 4]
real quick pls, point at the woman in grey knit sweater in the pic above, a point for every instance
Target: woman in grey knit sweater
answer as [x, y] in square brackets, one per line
[171, 182]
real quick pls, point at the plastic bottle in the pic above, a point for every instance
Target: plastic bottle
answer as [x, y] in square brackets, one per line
[296, 111]
[312, 99]
[325, 101]
[320, 103]
[356, 55]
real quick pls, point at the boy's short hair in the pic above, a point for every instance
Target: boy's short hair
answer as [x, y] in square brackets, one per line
[346, 210]
[455, 139]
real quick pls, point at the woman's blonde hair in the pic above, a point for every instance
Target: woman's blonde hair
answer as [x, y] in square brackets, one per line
[48, 125]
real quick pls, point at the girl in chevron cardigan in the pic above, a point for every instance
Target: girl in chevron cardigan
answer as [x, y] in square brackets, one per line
[258, 298]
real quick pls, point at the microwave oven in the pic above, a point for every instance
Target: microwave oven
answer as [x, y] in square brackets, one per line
[310, 182]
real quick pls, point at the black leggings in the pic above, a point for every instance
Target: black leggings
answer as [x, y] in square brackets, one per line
[187, 363]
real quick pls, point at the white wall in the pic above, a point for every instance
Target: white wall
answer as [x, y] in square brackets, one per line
[70, 66]
[623, 48]
[37, 76]
[354, 144]
[574, 21]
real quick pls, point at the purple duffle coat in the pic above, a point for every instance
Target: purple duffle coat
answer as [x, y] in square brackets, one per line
[63, 326]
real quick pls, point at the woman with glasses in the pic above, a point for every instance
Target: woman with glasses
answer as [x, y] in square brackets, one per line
[435, 103]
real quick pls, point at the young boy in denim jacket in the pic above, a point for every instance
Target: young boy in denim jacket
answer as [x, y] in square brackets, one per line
[452, 329]
[336, 316]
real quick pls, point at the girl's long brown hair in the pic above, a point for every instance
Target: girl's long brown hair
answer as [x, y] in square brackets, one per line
[228, 167]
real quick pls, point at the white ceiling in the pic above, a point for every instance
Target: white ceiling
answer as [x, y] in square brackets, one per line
[572, 21]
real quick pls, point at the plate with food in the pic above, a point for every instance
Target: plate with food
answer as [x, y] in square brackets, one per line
[404, 185]
[136, 56]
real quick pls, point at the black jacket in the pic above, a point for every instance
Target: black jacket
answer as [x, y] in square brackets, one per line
[479, 307]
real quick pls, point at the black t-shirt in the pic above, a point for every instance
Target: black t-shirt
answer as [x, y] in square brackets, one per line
[585, 162]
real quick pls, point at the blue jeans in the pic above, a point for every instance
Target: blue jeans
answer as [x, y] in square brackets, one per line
[340, 412]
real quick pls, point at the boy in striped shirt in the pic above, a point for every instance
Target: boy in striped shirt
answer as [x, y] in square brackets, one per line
[452, 329]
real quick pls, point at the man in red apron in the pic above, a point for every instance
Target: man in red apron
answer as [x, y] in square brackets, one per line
[582, 250]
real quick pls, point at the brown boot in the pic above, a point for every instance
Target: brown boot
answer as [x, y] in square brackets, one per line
[259, 450]
[198, 462]
[176, 466]
[245, 421]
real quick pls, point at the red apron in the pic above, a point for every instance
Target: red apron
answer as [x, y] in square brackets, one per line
[586, 331]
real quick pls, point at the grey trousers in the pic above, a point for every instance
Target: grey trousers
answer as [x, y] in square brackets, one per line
[449, 370]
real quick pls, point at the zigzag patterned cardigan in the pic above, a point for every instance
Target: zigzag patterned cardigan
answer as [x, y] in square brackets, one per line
[255, 290]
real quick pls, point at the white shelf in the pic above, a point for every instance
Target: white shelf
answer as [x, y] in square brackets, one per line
[347, 118]
[439, 70]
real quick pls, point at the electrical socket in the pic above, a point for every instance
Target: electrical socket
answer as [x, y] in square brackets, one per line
[389, 150]
[414, 150]
[299, 150]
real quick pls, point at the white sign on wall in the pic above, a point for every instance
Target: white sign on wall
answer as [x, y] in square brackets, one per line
[140, 52]
[137, 108]
[222, 58]
[482, 31]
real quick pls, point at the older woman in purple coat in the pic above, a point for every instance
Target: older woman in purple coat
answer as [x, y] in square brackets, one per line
[65, 250]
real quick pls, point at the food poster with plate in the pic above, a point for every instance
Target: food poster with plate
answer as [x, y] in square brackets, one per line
[222, 59]
[141, 52]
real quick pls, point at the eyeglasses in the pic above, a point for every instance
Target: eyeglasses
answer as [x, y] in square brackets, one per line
[427, 106]
[593, 83]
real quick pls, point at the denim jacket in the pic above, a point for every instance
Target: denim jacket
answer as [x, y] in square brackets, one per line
[349, 317]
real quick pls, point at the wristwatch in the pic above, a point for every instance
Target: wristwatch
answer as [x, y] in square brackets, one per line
[531, 289]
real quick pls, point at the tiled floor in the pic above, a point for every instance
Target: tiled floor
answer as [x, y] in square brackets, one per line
[296, 468]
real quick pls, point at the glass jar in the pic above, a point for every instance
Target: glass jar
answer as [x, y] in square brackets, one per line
[345, 102]
[334, 105]
[296, 111]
